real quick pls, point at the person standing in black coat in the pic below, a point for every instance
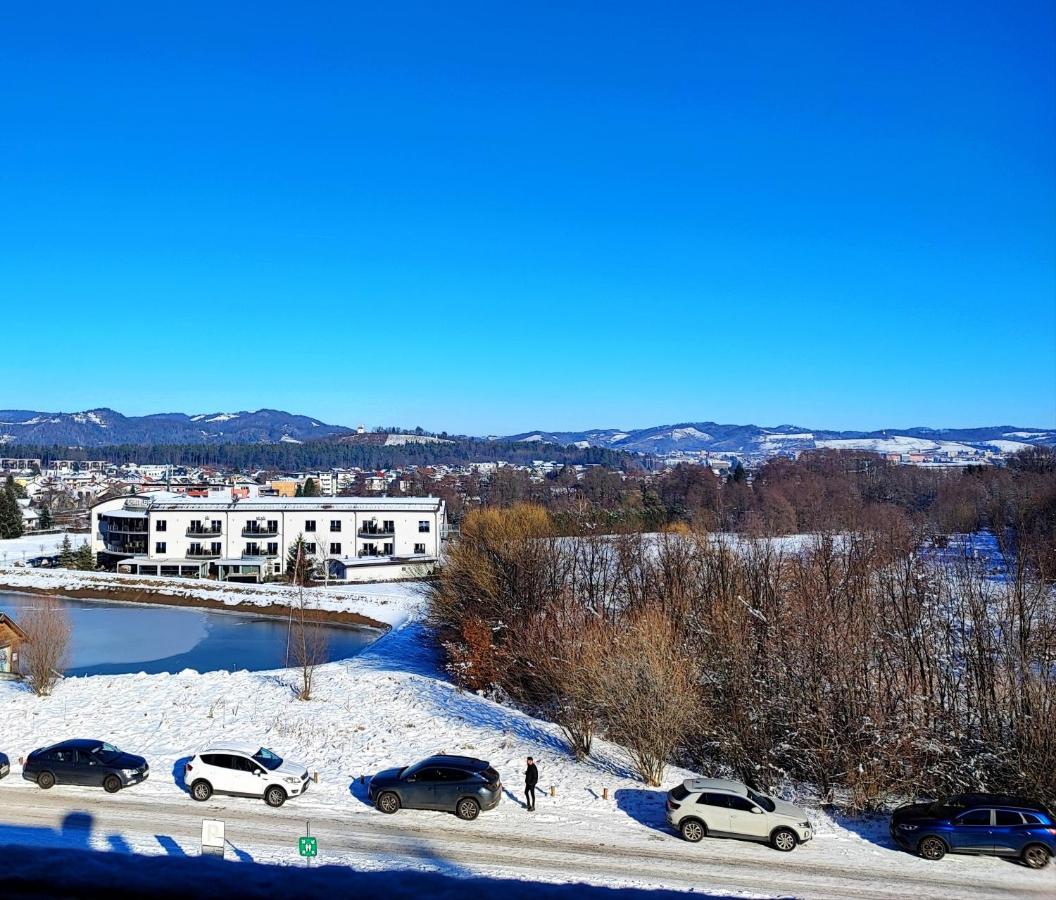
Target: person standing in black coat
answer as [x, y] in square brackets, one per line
[531, 779]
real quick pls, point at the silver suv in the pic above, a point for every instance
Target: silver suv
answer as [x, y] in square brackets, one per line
[716, 807]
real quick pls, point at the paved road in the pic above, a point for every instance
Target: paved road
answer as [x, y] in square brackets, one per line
[125, 822]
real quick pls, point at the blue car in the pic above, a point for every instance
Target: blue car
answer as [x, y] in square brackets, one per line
[984, 824]
[5, 765]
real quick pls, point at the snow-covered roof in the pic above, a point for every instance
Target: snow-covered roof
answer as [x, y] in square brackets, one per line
[298, 504]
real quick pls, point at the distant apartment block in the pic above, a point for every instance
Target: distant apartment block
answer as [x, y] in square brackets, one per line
[231, 539]
[12, 464]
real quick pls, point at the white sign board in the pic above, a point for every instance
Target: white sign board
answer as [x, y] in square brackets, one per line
[213, 837]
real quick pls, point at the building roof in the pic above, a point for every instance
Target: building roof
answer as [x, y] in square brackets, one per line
[295, 504]
[13, 625]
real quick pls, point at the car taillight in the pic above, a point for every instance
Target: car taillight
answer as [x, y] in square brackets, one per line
[671, 804]
[188, 767]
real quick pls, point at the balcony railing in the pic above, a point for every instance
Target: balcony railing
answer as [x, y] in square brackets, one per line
[380, 533]
[203, 532]
[248, 555]
[260, 531]
[202, 553]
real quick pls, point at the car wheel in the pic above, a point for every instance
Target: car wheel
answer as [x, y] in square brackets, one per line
[275, 796]
[111, 784]
[467, 809]
[692, 830]
[932, 848]
[45, 780]
[784, 839]
[1035, 857]
[388, 802]
[201, 790]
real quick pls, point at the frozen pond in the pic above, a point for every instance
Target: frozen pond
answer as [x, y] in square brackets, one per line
[121, 638]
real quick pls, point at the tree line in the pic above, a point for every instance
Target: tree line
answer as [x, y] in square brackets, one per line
[329, 454]
[857, 662]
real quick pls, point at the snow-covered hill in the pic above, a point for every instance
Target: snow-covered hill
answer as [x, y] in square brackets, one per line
[754, 440]
[103, 427]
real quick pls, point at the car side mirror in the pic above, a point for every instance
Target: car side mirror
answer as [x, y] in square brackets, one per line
[260, 773]
[757, 810]
[412, 778]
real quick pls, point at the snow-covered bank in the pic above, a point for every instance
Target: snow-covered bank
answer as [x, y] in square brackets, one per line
[390, 706]
[384, 603]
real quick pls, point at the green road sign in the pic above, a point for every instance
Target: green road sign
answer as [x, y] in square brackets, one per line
[307, 846]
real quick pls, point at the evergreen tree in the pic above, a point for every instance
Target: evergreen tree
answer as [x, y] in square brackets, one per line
[298, 564]
[18, 489]
[45, 520]
[739, 475]
[311, 489]
[66, 559]
[83, 558]
[10, 513]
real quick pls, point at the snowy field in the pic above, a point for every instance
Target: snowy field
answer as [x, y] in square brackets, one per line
[390, 706]
[14, 550]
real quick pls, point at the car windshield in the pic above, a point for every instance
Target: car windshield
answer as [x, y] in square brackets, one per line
[106, 752]
[761, 800]
[267, 759]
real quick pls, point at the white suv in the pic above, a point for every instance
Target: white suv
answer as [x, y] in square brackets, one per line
[245, 771]
[716, 807]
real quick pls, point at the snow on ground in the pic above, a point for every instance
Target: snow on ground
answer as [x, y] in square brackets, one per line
[390, 706]
[896, 444]
[389, 603]
[14, 550]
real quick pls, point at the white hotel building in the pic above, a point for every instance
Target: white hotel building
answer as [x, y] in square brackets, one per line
[355, 538]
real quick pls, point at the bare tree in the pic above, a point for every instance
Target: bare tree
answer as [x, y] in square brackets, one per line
[648, 693]
[45, 653]
[308, 644]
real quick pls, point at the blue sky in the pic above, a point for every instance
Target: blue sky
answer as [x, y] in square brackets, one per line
[491, 218]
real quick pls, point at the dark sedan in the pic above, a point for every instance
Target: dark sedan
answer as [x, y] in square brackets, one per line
[984, 824]
[87, 762]
[458, 784]
[5, 765]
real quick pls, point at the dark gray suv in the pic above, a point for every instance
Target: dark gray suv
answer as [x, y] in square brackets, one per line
[458, 784]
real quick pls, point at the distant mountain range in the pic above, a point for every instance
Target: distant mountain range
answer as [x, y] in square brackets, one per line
[105, 427]
[753, 440]
[101, 427]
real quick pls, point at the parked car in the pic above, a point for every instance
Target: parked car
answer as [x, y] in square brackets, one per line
[986, 824]
[87, 762]
[716, 807]
[459, 784]
[245, 771]
[5, 765]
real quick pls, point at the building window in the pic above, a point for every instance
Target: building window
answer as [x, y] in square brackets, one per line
[388, 549]
[309, 548]
[273, 548]
[215, 548]
[217, 524]
[159, 547]
[335, 524]
[419, 549]
[423, 526]
[160, 526]
[309, 524]
[335, 549]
